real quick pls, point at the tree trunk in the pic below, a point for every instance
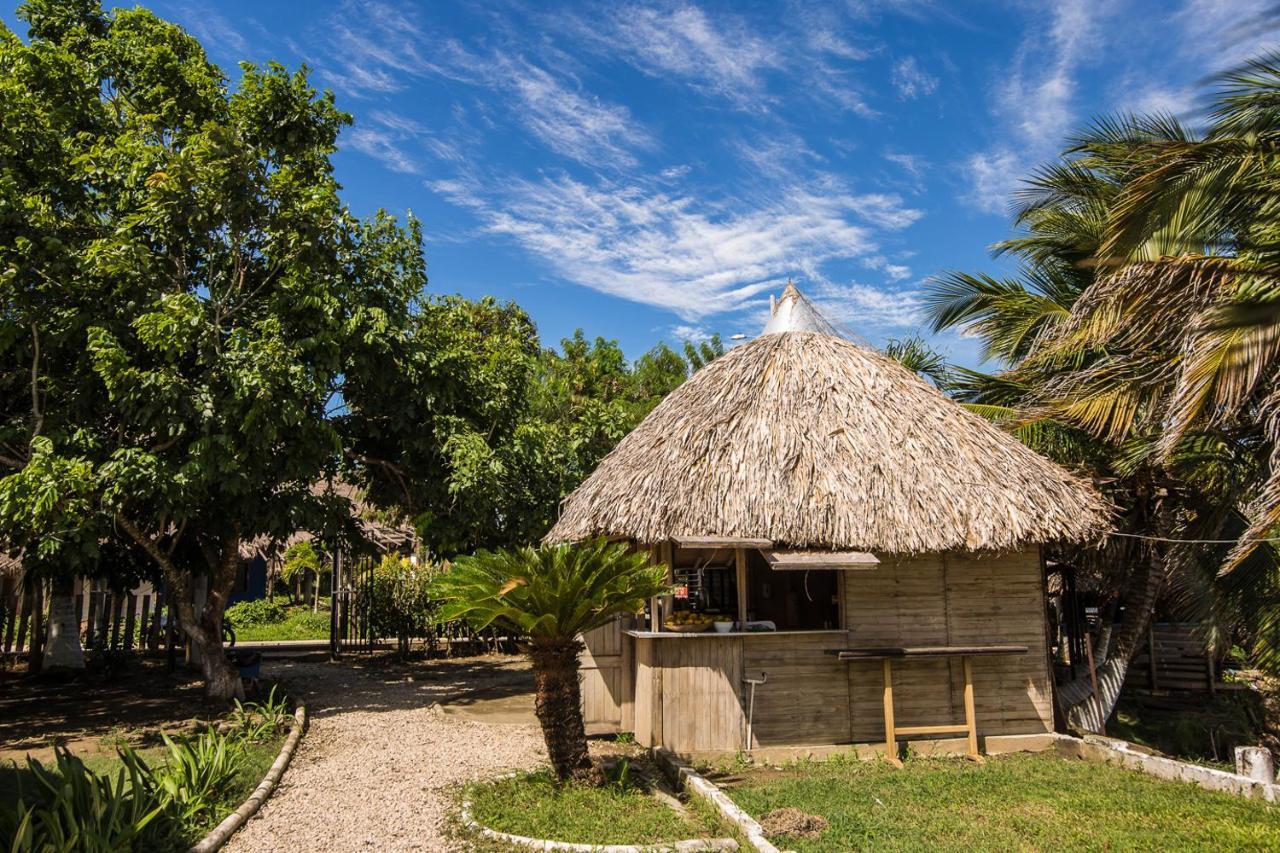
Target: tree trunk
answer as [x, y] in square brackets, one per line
[558, 705]
[203, 629]
[315, 594]
[1082, 711]
[62, 649]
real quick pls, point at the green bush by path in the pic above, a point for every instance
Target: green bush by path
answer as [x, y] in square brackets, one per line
[1016, 802]
[532, 804]
[297, 623]
[258, 612]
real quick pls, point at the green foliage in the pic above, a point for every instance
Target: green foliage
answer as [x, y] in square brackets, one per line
[261, 722]
[184, 291]
[196, 773]
[301, 560]
[72, 808]
[916, 355]
[551, 592]
[257, 612]
[400, 598]
[299, 623]
[165, 804]
[701, 354]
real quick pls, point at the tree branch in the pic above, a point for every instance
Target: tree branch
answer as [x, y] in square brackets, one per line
[36, 415]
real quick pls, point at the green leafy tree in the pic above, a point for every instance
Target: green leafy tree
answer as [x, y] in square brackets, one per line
[185, 294]
[700, 354]
[551, 596]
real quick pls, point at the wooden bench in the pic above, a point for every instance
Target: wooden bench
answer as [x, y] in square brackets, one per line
[888, 654]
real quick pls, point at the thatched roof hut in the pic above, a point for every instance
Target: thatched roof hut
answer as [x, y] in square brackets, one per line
[808, 440]
[849, 530]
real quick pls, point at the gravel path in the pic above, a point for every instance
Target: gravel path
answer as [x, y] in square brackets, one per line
[377, 766]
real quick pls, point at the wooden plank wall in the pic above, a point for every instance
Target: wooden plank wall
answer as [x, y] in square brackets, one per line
[1181, 662]
[806, 698]
[952, 599]
[702, 699]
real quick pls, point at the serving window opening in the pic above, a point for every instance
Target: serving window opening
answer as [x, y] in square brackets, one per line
[777, 599]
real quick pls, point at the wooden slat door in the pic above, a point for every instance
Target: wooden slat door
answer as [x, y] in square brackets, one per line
[605, 678]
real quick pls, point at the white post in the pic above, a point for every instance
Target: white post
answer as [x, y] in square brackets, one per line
[1256, 763]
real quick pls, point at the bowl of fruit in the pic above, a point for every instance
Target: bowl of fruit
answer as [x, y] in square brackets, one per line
[687, 622]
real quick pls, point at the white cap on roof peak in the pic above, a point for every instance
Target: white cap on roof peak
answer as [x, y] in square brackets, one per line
[792, 312]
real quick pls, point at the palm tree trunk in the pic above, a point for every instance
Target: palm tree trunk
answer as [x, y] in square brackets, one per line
[558, 706]
[1082, 711]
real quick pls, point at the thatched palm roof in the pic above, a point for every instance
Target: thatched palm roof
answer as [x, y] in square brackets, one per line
[811, 441]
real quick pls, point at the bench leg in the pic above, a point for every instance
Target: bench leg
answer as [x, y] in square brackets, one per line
[970, 716]
[890, 739]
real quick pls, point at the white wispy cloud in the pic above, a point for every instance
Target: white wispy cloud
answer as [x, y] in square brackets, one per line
[681, 40]
[1035, 99]
[859, 306]
[213, 29]
[911, 80]
[913, 165]
[675, 251]
[994, 176]
[383, 147]
[378, 48]
[572, 123]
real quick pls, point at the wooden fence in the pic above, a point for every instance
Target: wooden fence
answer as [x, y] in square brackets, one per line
[109, 621]
[1173, 658]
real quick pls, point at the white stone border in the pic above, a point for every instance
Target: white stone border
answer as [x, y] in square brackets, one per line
[692, 844]
[223, 831]
[686, 777]
[1105, 750]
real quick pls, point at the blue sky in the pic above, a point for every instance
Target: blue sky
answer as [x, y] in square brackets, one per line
[652, 171]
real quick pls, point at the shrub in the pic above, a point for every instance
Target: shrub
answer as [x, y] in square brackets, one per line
[73, 808]
[260, 612]
[66, 806]
[400, 603]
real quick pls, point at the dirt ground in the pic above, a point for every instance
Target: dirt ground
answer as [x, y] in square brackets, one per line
[93, 712]
[387, 747]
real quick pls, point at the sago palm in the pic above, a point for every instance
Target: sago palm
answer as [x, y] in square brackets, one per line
[550, 596]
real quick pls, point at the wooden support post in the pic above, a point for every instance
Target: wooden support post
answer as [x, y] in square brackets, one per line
[740, 565]
[130, 621]
[1151, 655]
[890, 739]
[655, 607]
[970, 714]
[1093, 677]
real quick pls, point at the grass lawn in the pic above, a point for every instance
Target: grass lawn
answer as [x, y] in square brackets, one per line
[1023, 802]
[531, 805]
[299, 624]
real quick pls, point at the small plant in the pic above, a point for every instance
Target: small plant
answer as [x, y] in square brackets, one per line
[115, 738]
[625, 738]
[261, 721]
[195, 775]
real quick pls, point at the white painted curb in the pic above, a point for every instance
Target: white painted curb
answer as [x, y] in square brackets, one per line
[223, 831]
[685, 776]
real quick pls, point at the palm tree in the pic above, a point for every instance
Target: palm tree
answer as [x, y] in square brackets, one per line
[551, 596]
[1098, 403]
